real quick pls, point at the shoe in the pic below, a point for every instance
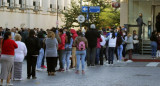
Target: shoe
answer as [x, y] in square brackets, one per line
[61, 70]
[18, 79]
[34, 77]
[28, 77]
[83, 72]
[52, 73]
[9, 84]
[43, 66]
[77, 72]
[38, 69]
[129, 61]
[118, 61]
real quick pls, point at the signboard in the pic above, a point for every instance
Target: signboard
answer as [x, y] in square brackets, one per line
[85, 9]
[81, 18]
[94, 9]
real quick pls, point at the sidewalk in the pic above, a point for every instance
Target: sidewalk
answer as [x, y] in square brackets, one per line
[143, 58]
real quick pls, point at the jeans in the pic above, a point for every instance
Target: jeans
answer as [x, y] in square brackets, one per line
[66, 58]
[97, 55]
[154, 48]
[111, 55]
[40, 57]
[81, 55]
[119, 52]
[91, 54]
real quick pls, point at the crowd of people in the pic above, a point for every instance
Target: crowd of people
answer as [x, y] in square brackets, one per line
[61, 46]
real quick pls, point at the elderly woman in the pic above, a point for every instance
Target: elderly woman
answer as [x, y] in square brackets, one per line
[7, 58]
[51, 52]
[20, 53]
[129, 46]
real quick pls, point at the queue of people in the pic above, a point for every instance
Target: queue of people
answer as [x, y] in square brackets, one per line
[61, 45]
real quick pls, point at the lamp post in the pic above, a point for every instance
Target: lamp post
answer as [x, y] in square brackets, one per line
[57, 14]
[81, 14]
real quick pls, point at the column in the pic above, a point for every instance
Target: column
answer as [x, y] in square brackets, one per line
[30, 3]
[124, 12]
[46, 5]
[5, 3]
[16, 3]
[54, 3]
[61, 4]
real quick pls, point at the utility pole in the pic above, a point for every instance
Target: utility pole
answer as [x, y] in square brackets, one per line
[81, 13]
[57, 14]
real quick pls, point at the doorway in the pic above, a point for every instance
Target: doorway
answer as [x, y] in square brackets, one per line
[155, 11]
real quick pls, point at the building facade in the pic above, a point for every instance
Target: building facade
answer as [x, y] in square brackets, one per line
[130, 10]
[32, 13]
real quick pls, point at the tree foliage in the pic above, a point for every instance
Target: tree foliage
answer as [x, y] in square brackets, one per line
[107, 17]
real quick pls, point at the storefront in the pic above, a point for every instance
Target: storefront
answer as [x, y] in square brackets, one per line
[130, 10]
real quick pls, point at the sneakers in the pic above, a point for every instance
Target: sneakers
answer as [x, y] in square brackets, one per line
[34, 77]
[38, 69]
[118, 61]
[18, 79]
[83, 72]
[129, 61]
[61, 70]
[77, 72]
[43, 66]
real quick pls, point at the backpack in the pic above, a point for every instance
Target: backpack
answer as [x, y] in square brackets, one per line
[81, 46]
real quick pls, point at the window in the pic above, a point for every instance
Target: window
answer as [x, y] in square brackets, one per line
[50, 5]
[34, 3]
[8, 1]
[64, 8]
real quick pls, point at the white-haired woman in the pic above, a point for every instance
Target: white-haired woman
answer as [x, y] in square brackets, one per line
[20, 53]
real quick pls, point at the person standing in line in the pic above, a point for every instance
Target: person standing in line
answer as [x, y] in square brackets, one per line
[41, 52]
[91, 35]
[33, 47]
[129, 46]
[102, 48]
[119, 46]
[106, 50]
[98, 50]
[158, 45]
[7, 58]
[20, 53]
[140, 23]
[124, 44]
[61, 49]
[68, 49]
[81, 44]
[154, 44]
[51, 54]
[111, 44]
[135, 42]
[74, 59]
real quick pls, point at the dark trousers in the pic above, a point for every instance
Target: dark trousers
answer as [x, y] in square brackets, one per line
[101, 55]
[91, 54]
[111, 55]
[136, 50]
[31, 65]
[130, 54]
[106, 52]
[140, 32]
[51, 64]
[60, 57]
[124, 50]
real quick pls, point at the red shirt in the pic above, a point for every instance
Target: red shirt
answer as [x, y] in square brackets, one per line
[61, 46]
[8, 47]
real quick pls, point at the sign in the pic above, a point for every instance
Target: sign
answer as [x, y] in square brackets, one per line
[57, 22]
[94, 9]
[85, 9]
[81, 18]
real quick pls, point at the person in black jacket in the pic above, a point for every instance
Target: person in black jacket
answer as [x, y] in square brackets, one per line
[91, 36]
[33, 47]
[140, 23]
[158, 22]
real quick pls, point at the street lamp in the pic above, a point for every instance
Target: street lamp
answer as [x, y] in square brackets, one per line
[57, 15]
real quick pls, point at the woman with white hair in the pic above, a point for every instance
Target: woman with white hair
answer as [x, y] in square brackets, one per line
[20, 53]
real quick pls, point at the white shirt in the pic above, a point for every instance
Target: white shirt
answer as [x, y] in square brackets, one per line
[103, 41]
[20, 52]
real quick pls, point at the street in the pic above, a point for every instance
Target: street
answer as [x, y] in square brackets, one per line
[120, 74]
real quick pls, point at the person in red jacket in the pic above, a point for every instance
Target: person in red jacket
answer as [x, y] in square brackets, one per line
[74, 60]
[61, 49]
[7, 58]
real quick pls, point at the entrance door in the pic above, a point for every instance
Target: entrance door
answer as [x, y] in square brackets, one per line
[155, 11]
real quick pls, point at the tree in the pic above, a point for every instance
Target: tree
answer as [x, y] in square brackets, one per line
[107, 17]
